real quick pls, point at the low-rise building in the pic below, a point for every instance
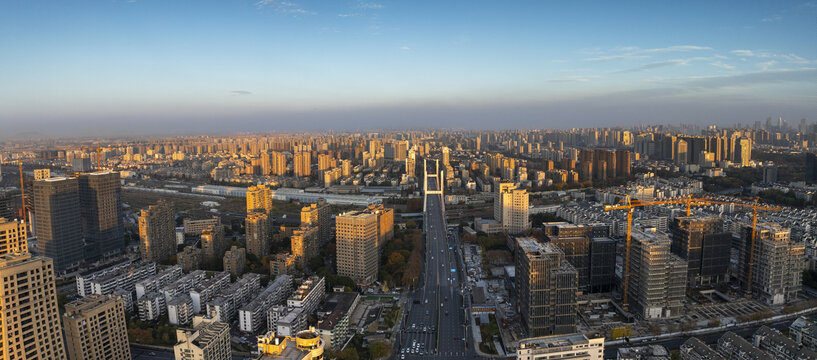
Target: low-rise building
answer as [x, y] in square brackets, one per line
[206, 340]
[804, 332]
[695, 349]
[180, 310]
[252, 316]
[333, 318]
[732, 346]
[305, 345]
[780, 346]
[568, 346]
[647, 352]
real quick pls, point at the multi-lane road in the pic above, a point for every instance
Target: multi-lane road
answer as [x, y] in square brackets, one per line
[435, 324]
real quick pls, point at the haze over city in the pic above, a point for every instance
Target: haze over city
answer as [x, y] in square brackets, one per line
[157, 67]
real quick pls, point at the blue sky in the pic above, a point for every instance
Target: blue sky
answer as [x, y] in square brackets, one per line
[234, 65]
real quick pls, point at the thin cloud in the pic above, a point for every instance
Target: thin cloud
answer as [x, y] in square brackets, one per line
[652, 66]
[773, 18]
[570, 80]
[614, 58]
[370, 6]
[674, 49]
[283, 7]
[348, 15]
[755, 78]
[743, 52]
[766, 64]
[405, 48]
[241, 92]
[723, 65]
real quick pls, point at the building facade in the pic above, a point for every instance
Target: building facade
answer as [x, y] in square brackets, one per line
[257, 233]
[157, 232]
[357, 254]
[58, 223]
[95, 328]
[657, 277]
[704, 244]
[100, 199]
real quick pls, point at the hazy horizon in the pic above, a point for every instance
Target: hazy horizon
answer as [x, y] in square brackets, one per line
[146, 68]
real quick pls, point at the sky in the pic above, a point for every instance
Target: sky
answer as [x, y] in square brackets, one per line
[184, 67]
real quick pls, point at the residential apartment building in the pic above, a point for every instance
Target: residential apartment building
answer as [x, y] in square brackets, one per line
[157, 232]
[259, 199]
[776, 266]
[318, 215]
[29, 297]
[213, 246]
[511, 208]
[304, 244]
[235, 260]
[95, 328]
[206, 340]
[13, 236]
[257, 234]
[252, 316]
[333, 318]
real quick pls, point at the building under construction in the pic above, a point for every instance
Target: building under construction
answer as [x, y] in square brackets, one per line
[545, 288]
[773, 273]
[657, 277]
[703, 243]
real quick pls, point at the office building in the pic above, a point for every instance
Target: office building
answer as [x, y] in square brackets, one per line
[385, 224]
[602, 265]
[234, 261]
[13, 236]
[704, 244]
[157, 232]
[546, 288]
[357, 253]
[304, 244]
[57, 220]
[259, 199]
[100, 200]
[511, 209]
[213, 246]
[568, 346]
[811, 167]
[29, 298]
[319, 215]
[206, 340]
[95, 328]
[775, 269]
[257, 234]
[657, 277]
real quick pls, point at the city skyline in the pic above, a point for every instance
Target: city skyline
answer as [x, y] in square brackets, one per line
[169, 68]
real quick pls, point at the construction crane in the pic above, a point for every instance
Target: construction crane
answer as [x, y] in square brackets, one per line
[19, 163]
[630, 205]
[755, 207]
[98, 148]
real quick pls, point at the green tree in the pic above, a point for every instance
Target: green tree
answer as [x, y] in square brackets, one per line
[379, 349]
[411, 225]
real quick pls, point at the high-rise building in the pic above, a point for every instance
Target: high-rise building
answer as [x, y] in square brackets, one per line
[385, 224]
[446, 157]
[257, 233]
[213, 246]
[234, 261]
[29, 316]
[325, 162]
[100, 199]
[57, 220]
[302, 164]
[259, 198]
[703, 243]
[189, 258]
[206, 340]
[602, 264]
[811, 167]
[511, 208]
[657, 277]
[318, 215]
[304, 243]
[41, 174]
[775, 269]
[546, 288]
[157, 232]
[95, 328]
[13, 236]
[356, 233]
[570, 346]
[279, 163]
